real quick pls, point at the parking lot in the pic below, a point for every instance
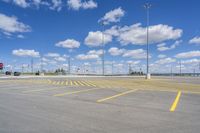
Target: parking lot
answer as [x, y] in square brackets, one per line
[99, 104]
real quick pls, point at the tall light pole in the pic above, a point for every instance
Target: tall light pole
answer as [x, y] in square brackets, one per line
[69, 65]
[180, 68]
[103, 37]
[147, 6]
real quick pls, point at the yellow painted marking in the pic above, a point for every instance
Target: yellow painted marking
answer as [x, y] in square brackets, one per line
[54, 82]
[58, 83]
[175, 103]
[66, 83]
[74, 92]
[37, 90]
[62, 83]
[86, 83]
[91, 84]
[75, 83]
[71, 83]
[120, 94]
[80, 83]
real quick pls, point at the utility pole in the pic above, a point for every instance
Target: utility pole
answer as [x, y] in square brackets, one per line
[171, 72]
[103, 48]
[32, 65]
[112, 68]
[147, 6]
[69, 65]
[180, 68]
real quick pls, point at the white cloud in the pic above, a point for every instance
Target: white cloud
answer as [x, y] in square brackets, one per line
[189, 54]
[135, 54]
[52, 55]
[57, 5]
[113, 16]
[195, 40]
[165, 61]
[136, 34]
[21, 3]
[61, 59]
[133, 62]
[190, 61]
[26, 53]
[91, 55]
[10, 25]
[94, 39]
[78, 4]
[161, 56]
[163, 47]
[114, 51]
[69, 43]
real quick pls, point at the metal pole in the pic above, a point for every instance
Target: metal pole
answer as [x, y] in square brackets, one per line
[69, 66]
[147, 7]
[103, 49]
[112, 68]
[32, 65]
[180, 68]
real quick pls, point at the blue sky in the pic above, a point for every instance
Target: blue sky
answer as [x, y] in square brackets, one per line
[53, 30]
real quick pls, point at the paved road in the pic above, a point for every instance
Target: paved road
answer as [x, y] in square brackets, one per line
[97, 105]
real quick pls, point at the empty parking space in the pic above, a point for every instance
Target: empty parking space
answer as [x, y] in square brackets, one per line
[92, 105]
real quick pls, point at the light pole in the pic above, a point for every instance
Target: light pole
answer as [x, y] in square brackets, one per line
[69, 65]
[147, 6]
[103, 48]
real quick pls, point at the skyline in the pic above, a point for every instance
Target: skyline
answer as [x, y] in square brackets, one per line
[58, 29]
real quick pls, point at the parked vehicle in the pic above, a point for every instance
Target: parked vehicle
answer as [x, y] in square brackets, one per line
[8, 73]
[17, 73]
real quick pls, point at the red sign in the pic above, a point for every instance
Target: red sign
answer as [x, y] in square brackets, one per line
[1, 65]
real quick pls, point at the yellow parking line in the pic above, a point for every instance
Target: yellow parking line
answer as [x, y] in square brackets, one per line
[76, 83]
[91, 84]
[175, 103]
[66, 83]
[120, 94]
[58, 83]
[80, 83]
[71, 83]
[74, 92]
[86, 83]
[37, 90]
[53, 82]
[62, 83]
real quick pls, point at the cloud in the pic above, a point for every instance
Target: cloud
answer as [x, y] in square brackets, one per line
[195, 40]
[165, 61]
[69, 43]
[163, 47]
[56, 5]
[9, 25]
[161, 56]
[136, 34]
[61, 59]
[21, 3]
[133, 62]
[91, 55]
[190, 61]
[94, 39]
[114, 51]
[113, 16]
[78, 4]
[26, 53]
[189, 54]
[52, 55]
[135, 54]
